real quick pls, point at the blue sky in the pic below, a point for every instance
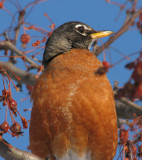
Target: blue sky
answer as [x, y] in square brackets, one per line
[96, 13]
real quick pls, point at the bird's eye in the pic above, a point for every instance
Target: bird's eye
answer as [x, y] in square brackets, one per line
[81, 29]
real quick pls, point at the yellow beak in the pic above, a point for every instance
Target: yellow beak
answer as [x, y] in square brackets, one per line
[101, 34]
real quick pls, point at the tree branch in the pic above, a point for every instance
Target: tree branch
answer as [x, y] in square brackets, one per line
[9, 152]
[26, 77]
[10, 46]
[12, 153]
[17, 30]
[125, 109]
[123, 29]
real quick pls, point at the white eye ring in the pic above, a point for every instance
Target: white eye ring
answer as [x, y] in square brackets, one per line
[81, 25]
[84, 27]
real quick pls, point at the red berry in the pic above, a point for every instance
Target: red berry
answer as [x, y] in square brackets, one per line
[106, 64]
[15, 129]
[25, 38]
[1, 4]
[4, 127]
[12, 103]
[5, 93]
[25, 123]
[13, 106]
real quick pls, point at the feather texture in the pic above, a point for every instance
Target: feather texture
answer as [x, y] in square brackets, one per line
[73, 115]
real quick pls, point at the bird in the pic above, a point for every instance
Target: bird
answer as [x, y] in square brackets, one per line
[73, 115]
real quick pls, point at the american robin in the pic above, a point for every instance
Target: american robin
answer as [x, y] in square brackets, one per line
[73, 115]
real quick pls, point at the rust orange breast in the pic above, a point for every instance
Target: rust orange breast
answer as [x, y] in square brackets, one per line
[73, 109]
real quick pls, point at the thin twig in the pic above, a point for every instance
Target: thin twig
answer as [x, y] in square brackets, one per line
[10, 46]
[17, 30]
[123, 29]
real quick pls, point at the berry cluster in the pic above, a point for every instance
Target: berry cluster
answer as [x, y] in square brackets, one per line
[133, 88]
[11, 105]
[130, 140]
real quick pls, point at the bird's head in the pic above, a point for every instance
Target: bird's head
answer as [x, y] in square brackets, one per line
[68, 36]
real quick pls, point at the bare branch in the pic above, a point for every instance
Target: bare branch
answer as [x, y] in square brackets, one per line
[120, 122]
[10, 46]
[9, 152]
[20, 22]
[125, 109]
[26, 77]
[123, 29]
[17, 30]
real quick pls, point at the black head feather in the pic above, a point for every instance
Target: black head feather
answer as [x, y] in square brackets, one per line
[66, 37]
